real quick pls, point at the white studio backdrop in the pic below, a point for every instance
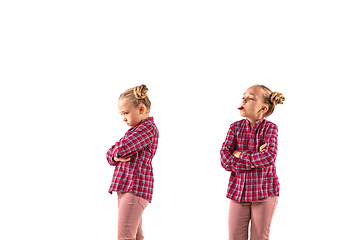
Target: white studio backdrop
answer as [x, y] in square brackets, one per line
[65, 63]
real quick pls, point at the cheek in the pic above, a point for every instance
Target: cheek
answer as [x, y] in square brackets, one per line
[133, 117]
[252, 108]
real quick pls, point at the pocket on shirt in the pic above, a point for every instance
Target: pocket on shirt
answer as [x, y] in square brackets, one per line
[143, 202]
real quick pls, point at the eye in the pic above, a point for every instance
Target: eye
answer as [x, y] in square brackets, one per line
[248, 98]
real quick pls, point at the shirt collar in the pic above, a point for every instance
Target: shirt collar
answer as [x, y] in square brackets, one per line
[258, 122]
[147, 119]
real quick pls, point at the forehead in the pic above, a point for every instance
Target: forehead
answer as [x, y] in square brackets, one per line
[124, 104]
[254, 90]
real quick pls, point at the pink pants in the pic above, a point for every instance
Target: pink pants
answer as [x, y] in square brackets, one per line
[131, 208]
[260, 212]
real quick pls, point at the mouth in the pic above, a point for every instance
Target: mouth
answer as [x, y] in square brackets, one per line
[241, 108]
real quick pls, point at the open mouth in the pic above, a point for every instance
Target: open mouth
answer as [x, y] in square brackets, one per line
[241, 108]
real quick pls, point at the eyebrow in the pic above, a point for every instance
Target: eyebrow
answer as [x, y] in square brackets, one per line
[250, 94]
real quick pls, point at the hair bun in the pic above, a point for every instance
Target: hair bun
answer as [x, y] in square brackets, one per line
[140, 91]
[277, 98]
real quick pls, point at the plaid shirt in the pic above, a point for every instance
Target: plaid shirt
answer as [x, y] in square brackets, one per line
[248, 184]
[135, 176]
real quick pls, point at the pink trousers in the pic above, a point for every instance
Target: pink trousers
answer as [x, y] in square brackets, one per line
[260, 212]
[131, 208]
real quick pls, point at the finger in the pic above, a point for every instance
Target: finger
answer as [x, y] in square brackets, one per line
[262, 147]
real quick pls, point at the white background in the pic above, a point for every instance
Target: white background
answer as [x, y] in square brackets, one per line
[65, 63]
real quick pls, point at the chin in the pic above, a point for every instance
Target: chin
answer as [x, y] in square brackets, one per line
[132, 125]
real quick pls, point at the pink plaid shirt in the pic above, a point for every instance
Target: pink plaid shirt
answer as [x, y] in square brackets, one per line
[248, 184]
[135, 176]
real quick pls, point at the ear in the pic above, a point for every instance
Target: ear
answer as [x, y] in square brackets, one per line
[142, 109]
[264, 109]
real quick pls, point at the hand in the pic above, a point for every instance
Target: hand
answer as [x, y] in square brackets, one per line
[236, 153]
[121, 159]
[262, 147]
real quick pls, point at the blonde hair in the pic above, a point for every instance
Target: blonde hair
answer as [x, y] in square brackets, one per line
[271, 99]
[137, 95]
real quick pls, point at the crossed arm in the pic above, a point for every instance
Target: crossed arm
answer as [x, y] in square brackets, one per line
[236, 153]
[132, 142]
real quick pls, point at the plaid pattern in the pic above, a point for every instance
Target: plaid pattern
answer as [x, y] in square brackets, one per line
[135, 176]
[248, 184]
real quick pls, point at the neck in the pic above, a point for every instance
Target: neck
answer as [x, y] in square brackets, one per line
[145, 116]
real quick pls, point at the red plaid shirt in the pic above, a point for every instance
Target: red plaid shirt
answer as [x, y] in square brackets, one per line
[135, 176]
[248, 184]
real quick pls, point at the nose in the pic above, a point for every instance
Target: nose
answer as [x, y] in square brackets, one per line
[124, 119]
[243, 101]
